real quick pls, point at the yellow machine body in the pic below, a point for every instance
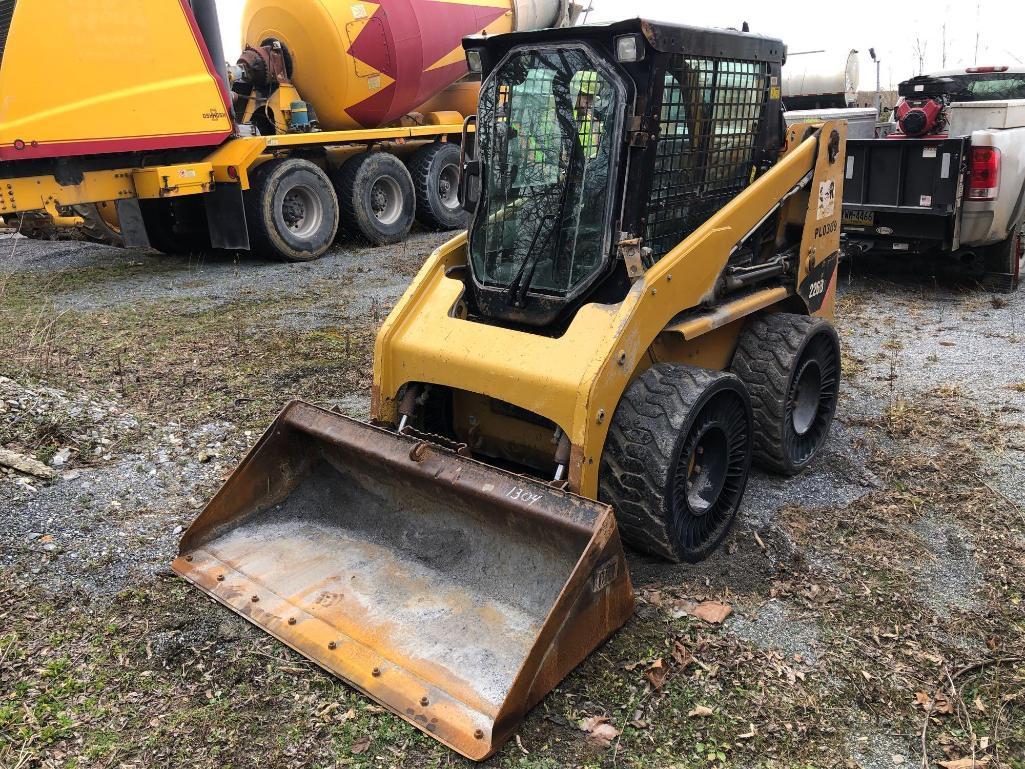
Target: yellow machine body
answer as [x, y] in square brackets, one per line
[122, 77]
[576, 379]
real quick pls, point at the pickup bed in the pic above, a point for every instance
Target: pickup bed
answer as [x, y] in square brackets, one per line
[958, 197]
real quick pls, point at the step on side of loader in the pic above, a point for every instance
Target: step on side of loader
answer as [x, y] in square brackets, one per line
[454, 593]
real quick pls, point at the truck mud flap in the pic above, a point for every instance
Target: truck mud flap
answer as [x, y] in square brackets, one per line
[453, 593]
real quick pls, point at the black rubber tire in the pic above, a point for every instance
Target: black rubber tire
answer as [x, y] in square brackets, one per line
[95, 228]
[435, 172]
[647, 466]
[355, 183]
[176, 227]
[291, 210]
[1005, 262]
[778, 357]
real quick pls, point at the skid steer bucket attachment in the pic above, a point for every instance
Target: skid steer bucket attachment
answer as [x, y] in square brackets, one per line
[454, 593]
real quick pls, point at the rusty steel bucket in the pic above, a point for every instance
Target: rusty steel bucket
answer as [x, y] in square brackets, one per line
[454, 593]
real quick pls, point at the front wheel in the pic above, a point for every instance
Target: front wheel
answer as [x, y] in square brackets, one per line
[676, 460]
[791, 366]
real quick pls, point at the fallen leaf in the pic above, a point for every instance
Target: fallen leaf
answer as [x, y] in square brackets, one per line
[979, 704]
[711, 612]
[656, 674]
[942, 705]
[361, 745]
[599, 730]
[682, 655]
[965, 763]
[748, 734]
[701, 711]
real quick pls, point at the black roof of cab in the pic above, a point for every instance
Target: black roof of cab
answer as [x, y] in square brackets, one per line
[661, 36]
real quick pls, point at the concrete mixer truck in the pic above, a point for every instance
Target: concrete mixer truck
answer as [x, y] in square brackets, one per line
[337, 117]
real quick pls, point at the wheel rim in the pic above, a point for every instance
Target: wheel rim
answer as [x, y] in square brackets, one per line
[711, 471]
[448, 186]
[706, 472]
[811, 399]
[807, 394]
[386, 200]
[302, 211]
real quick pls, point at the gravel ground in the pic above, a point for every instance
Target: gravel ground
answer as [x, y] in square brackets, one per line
[366, 277]
[127, 483]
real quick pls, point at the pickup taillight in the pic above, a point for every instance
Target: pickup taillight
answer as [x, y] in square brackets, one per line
[984, 179]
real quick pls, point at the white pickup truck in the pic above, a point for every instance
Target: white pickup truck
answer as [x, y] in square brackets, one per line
[951, 184]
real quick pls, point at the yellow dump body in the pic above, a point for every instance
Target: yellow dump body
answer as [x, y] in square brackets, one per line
[82, 77]
[453, 593]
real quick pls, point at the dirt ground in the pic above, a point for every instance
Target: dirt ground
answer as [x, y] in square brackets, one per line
[876, 600]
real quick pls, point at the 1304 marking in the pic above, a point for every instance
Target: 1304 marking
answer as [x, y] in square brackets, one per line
[530, 497]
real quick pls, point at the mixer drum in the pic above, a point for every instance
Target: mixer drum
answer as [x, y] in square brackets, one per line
[365, 65]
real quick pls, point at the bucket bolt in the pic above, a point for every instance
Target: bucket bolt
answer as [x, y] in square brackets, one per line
[220, 578]
[376, 672]
[291, 620]
[332, 645]
[424, 701]
[478, 734]
[255, 598]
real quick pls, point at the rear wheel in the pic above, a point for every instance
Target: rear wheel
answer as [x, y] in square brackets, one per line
[377, 198]
[291, 210]
[100, 223]
[1005, 262]
[435, 172]
[791, 366]
[676, 460]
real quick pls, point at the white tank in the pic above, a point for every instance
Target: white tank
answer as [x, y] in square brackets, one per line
[821, 79]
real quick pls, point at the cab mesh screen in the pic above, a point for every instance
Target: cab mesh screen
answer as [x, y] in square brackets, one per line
[712, 111]
[6, 14]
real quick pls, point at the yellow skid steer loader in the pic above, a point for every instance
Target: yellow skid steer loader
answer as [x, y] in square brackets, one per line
[639, 310]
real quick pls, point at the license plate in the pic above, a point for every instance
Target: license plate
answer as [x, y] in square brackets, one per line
[861, 218]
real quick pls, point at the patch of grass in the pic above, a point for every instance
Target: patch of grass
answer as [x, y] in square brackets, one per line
[183, 360]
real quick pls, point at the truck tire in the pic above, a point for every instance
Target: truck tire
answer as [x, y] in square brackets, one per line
[291, 210]
[1005, 262]
[99, 226]
[676, 460]
[435, 172]
[377, 198]
[791, 366]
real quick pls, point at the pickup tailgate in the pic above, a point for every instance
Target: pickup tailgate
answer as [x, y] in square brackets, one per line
[905, 188]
